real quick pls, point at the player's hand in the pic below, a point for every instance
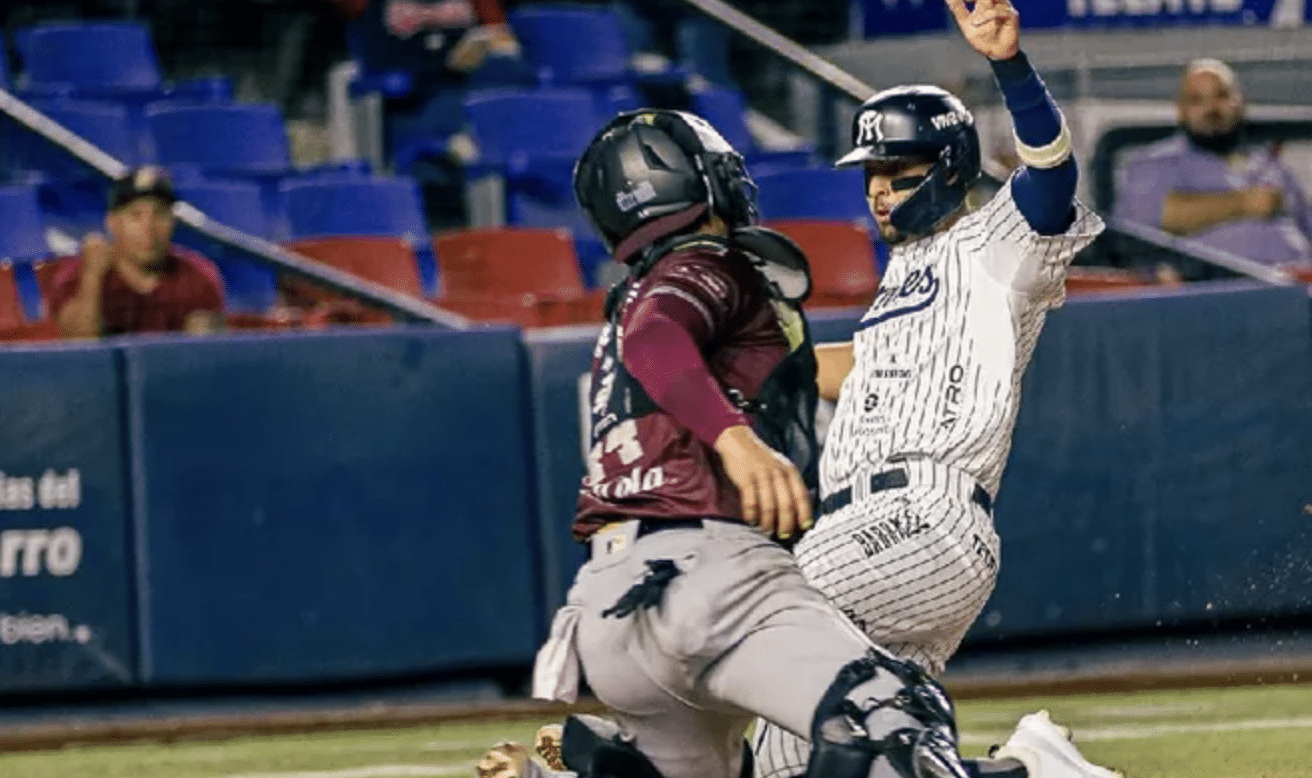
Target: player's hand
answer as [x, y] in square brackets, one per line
[1262, 202]
[991, 27]
[769, 486]
[97, 256]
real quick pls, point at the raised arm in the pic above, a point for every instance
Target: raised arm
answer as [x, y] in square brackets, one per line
[1044, 190]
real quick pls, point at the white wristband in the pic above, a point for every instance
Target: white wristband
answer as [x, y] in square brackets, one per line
[1049, 156]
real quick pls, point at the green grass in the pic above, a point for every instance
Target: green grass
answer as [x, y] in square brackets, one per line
[1250, 732]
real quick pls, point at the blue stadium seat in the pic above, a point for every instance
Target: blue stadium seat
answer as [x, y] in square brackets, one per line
[22, 228]
[226, 138]
[251, 285]
[5, 83]
[106, 125]
[572, 44]
[510, 123]
[552, 37]
[819, 194]
[83, 57]
[532, 138]
[72, 195]
[22, 241]
[726, 109]
[244, 141]
[327, 204]
[813, 193]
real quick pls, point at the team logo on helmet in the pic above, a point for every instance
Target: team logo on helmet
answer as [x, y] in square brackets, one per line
[870, 127]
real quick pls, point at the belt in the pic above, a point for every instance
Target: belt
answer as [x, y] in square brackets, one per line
[893, 479]
[649, 526]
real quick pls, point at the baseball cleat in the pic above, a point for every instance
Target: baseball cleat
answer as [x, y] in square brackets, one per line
[1046, 750]
[505, 760]
[547, 744]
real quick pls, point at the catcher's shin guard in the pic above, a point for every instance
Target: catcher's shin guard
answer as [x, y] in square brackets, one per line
[594, 748]
[884, 718]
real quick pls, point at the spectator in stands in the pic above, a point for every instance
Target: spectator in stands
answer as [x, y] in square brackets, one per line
[1207, 183]
[445, 47]
[136, 280]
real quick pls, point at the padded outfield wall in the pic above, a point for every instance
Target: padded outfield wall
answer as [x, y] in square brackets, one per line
[319, 507]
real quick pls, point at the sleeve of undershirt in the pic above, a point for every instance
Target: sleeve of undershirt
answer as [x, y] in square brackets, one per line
[672, 324]
[1044, 188]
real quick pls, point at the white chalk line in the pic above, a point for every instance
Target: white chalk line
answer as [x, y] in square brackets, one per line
[1082, 735]
[1142, 731]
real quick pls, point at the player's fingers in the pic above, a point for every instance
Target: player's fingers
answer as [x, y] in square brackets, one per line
[769, 505]
[747, 497]
[801, 499]
[786, 519]
[958, 9]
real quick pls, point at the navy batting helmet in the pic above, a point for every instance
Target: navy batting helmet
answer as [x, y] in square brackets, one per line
[653, 173]
[919, 122]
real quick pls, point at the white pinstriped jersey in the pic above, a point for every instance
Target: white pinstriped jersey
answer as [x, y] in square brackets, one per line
[940, 354]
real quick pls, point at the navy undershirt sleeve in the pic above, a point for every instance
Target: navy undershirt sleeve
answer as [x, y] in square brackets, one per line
[1045, 197]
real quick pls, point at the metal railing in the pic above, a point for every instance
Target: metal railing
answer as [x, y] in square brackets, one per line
[402, 307]
[835, 83]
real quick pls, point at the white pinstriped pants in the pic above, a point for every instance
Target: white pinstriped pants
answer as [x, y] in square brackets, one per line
[912, 567]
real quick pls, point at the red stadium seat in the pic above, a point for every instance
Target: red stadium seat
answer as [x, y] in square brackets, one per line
[1302, 274]
[842, 257]
[11, 307]
[529, 276]
[1092, 280]
[32, 331]
[508, 260]
[388, 262]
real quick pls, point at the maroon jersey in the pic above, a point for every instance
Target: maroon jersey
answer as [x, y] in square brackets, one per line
[653, 427]
[189, 282]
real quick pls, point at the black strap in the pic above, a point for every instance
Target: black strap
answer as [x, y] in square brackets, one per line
[893, 479]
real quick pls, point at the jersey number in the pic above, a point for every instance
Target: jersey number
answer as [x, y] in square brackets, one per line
[622, 440]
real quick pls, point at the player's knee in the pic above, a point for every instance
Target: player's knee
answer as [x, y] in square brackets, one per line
[882, 716]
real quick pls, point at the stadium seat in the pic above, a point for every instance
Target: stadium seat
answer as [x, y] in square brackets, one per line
[337, 204]
[22, 227]
[536, 268]
[513, 124]
[5, 83]
[245, 141]
[386, 261]
[88, 57]
[11, 307]
[1091, 280]
[842, 259]
[251, 286]
[826, 193]
[106, 125]
[237, 138]
[568, 44]
[30, 332]
[726, 109]
[532, 138]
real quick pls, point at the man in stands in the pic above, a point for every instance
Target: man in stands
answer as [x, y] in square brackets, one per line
[136, 280]
[1208, 184]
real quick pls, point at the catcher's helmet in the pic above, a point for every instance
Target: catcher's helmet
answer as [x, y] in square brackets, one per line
[916, 122]
[653, 173]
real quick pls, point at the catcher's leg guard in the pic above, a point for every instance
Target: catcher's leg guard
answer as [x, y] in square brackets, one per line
[884, 718]
[593, 747]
